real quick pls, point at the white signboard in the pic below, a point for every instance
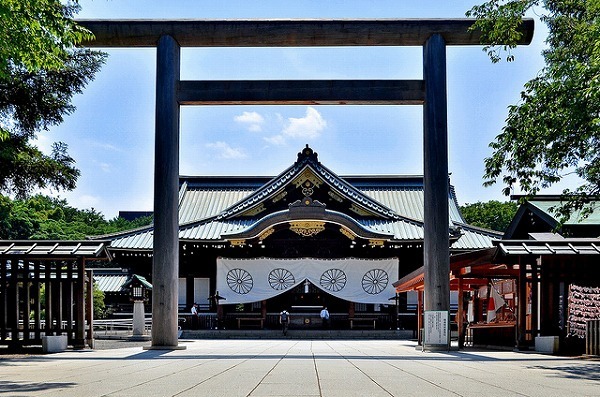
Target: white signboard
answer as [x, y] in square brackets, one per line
[436, 331]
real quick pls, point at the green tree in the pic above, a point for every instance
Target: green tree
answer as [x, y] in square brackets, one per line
[494, 215]
[99, 306]
[41, 68]
[48, 218]
[555, 129]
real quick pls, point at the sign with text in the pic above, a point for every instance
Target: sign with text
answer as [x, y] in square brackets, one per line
[436, 330]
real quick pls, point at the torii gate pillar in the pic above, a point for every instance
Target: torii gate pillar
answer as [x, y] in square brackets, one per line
[165, 264]
[436, 248]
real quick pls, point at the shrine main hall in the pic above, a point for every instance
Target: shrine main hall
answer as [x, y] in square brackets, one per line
[303, 239]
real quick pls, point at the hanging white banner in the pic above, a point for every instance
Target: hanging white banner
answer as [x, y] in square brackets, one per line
[351, 279]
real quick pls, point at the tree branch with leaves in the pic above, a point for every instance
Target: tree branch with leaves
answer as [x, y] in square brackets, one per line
[41, 69]
[554, 130]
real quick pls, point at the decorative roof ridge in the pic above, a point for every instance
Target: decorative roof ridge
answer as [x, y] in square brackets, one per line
[309, 158]
[328, 216]
[473, 228]
[358, 196]
[122, 233]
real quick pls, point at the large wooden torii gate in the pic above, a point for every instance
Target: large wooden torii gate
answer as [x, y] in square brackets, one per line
[169, 35]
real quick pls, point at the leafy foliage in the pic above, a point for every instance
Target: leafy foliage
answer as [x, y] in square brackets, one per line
[41, 68]
[99, 306]
[37, 34]
[555, 129]
[493, 215]
[47, 218]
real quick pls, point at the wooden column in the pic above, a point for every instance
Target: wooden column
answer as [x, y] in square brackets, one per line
[57, 290]
[49, 299]
[436, 242]
[89, 310]
[534, 300]
[419, 316]
[165, 267]
[522, 306]
[79, 297]
[460, 315]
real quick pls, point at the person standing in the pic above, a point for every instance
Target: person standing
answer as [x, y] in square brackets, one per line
[195, 319]
[325, 317]
[284, 320]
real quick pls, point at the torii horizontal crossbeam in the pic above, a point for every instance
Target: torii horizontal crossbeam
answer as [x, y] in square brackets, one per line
[286, 32]
[302, 92]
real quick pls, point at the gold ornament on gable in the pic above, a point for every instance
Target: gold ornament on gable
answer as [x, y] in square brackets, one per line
[254, 211]
[359, 210]
[280, 196]
[307, 176]
[307, 228]
[266, 234]
[347, 233]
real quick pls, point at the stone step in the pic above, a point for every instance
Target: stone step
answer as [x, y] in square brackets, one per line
[296, 334]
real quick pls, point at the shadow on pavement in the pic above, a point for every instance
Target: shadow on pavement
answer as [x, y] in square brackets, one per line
[14, 388]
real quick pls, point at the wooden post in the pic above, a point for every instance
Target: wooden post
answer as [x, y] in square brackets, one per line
[522, 307]
[419, 316]
[49, 315]
[79, 298]
[165, 267]
[534, 300]
[37, 309]
[58, 299]
[13, 306]
[460, 320]
[89, 311]
[263, 309]
[436, 250]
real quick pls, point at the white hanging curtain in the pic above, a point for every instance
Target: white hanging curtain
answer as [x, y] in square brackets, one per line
[351, 279]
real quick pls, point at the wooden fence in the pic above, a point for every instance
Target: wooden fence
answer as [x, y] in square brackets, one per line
[41, 298]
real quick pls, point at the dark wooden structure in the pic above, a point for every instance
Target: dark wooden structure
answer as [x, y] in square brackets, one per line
[169, 36]
[42, 290]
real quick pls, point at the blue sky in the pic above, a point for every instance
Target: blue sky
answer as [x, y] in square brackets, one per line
[111, 134]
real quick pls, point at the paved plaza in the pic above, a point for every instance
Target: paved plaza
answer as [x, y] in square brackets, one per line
[346, 368]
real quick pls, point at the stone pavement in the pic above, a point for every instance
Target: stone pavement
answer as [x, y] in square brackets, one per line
[214, 368]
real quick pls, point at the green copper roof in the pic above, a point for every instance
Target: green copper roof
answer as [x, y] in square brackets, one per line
[575, 219]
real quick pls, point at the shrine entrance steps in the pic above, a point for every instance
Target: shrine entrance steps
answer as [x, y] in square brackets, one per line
[297, 334]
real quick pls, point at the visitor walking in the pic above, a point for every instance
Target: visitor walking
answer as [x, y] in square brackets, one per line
[284, 320]
[325, 317]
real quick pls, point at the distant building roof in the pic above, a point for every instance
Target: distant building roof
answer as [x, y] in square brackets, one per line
[53, 248]
[110, 283]
[536, 216]
[133, 215]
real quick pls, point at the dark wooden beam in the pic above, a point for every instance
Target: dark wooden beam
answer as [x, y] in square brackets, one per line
[286, 32]
[307, 92]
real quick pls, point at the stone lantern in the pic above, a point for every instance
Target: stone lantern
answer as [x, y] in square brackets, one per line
[138, 293]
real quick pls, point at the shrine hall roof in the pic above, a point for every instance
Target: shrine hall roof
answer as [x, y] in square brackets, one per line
[212, 207]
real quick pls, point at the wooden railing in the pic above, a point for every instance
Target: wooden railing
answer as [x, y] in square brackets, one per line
[592, 337]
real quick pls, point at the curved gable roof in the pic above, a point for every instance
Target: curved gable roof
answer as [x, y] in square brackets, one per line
[305, 168]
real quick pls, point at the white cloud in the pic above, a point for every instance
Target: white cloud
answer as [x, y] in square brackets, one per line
[252, 120]
[105, 167]
[225, 151]
[82, 200]
[277, 140]
[43, 143]
[309, 126]
[106, 146]
[255, 128]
